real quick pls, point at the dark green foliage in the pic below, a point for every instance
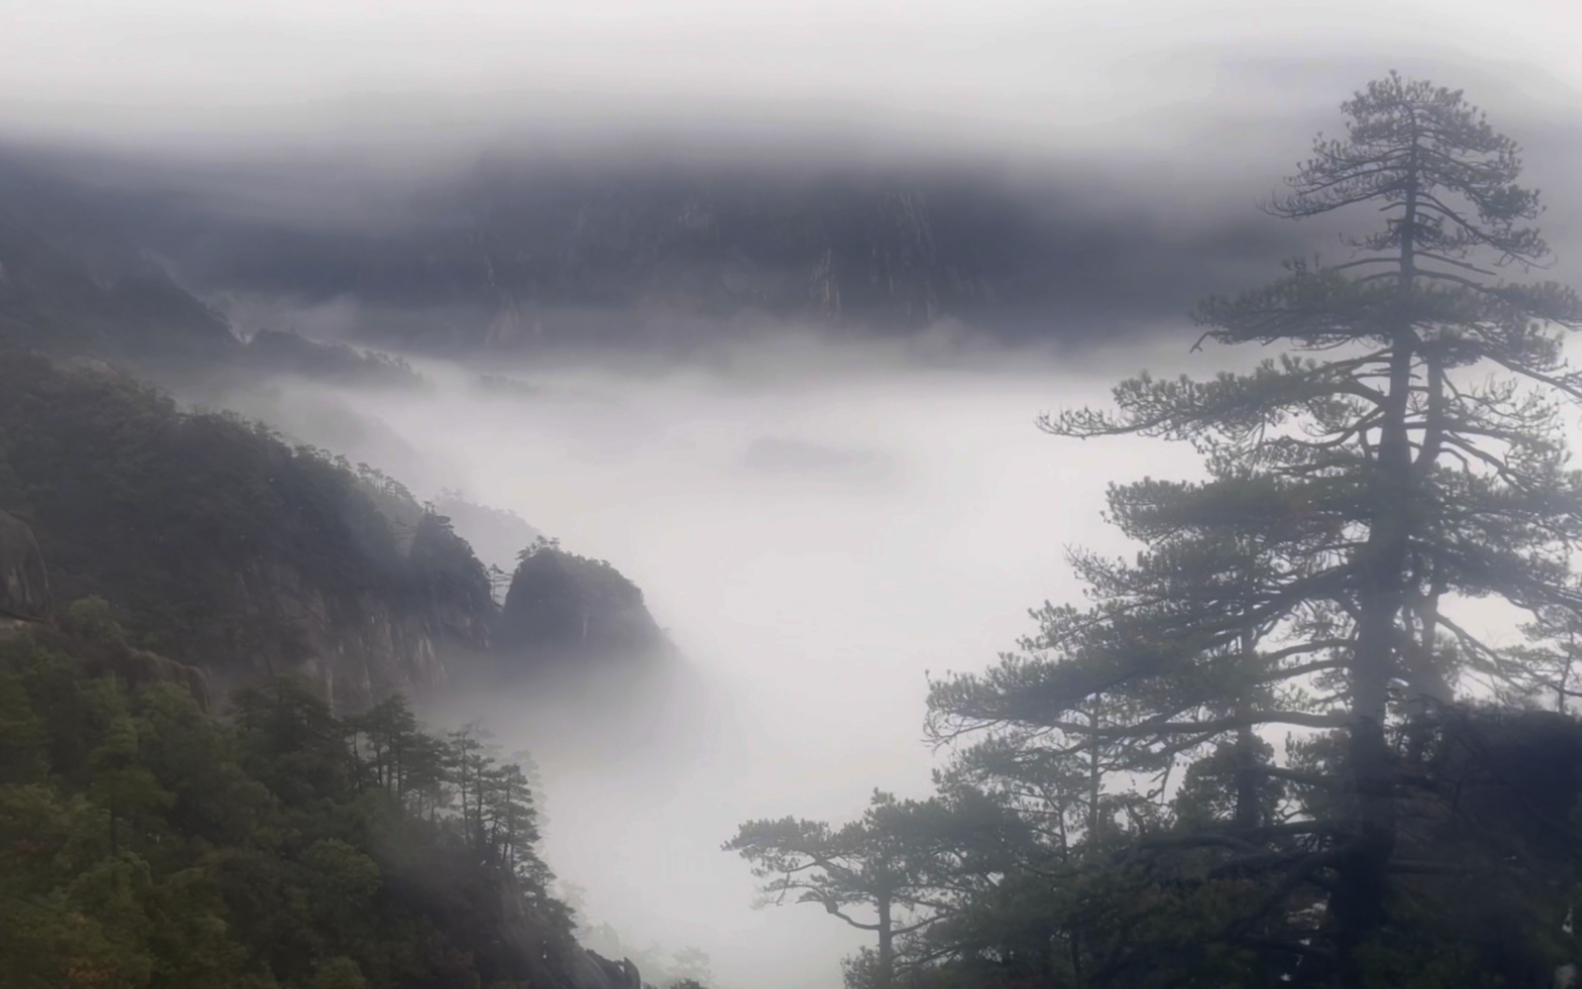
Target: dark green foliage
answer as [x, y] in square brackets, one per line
[143, 843]
[1360, 487]
[903, 868]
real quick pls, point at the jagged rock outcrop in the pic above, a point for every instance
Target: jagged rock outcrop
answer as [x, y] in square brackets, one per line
[563, 607]
[24, 583]
[221, 547]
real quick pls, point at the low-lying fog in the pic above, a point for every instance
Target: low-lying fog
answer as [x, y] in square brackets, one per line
[817, 526]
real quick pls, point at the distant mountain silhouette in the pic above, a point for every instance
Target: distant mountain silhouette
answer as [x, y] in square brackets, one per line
[513, 255]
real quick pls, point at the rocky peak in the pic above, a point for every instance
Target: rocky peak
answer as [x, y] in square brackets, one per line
[562, 607]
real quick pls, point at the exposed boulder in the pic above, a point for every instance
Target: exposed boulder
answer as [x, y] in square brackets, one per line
[566, 607]
[24, 583]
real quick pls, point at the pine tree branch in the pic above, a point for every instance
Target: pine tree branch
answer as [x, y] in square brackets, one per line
[1249, 720]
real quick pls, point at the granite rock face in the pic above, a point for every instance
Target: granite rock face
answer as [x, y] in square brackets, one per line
[24, 583]
[566, 608]
[412, 636]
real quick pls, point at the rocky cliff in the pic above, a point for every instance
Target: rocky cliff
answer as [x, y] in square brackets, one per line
[361, 646]
[24, 583]
[431, 623]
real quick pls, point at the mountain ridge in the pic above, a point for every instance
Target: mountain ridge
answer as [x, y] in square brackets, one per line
[222, 547]
[523, 253]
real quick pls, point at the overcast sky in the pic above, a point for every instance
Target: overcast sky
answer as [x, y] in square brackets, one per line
[1174, 115]
[1031, 75]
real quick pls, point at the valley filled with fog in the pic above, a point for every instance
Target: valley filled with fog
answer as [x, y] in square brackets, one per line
[817, 526]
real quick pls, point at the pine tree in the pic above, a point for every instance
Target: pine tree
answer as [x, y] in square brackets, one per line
[1167, 663]
[909, 862]
[1403, 454]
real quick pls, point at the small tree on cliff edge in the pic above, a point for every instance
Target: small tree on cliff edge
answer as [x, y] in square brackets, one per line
[1421, 477]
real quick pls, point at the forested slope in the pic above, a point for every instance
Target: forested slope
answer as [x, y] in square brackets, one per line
[208, 774]
[145, 843]
[219, 545]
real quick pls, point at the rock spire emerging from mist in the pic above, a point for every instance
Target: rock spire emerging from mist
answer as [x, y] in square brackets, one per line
[562, 607]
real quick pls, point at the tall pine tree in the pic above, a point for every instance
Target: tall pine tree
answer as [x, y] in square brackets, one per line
[1403, 455]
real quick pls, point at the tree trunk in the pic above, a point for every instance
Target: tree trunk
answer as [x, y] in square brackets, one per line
[1095, 778]
[1358, 902]
[884, 976]
[1249, 781]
